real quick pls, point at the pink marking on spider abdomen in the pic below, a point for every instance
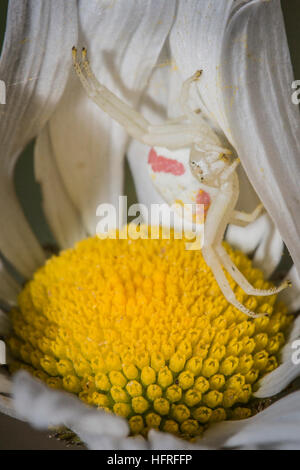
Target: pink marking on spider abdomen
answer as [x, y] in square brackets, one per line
[165, 165]
[203, 197]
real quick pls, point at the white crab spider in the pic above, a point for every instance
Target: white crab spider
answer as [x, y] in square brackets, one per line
[201, 164]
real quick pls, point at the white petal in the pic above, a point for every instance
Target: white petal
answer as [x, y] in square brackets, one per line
[123, 41]
[43, 407]
[196, 43]
[295, 330]
[63, 218]
[291, 296]
[247, 238]
[261, 236]
[34, 67]
[96, 442]
[264, 123]
[270, 249]
[9, 288]
[162, 441]
[276, 426]
[246, 92]
[278, 379]
[289, 369]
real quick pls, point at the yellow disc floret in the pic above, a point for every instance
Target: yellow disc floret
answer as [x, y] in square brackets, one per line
[141, 328]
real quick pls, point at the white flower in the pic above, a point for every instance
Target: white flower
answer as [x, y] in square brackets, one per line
[143, 51]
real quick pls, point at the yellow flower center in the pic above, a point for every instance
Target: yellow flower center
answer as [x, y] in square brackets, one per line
[141, 328]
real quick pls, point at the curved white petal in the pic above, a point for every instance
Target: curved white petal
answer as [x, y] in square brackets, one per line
[64, 220]
[43, 407]
[96, 442]
[278, 379]
[295, 331]
[291, 296]
[196, 41]
[264, 123]
[247, 238]
[278, 426]
[289, 369]
[35, 68]
[162, 441]
[270, 249]
[246, 92]
[9, 288]
[261, 236]
[123, 40]
[282, 376]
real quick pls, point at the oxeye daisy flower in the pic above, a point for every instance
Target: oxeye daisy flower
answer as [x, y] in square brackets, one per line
[130, 343]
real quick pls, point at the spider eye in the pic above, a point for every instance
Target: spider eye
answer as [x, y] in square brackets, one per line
[202, 179]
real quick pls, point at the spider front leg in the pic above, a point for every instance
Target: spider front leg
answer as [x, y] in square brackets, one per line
[213, 252]
[171, 134]
[121, 112]
[244, 218]
[214, 263]
[241, 280]
[184, 96]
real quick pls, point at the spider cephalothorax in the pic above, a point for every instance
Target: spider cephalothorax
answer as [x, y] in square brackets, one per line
[188, 164]
[209, 167]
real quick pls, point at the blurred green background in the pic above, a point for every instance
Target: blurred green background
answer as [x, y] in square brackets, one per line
[28, 190]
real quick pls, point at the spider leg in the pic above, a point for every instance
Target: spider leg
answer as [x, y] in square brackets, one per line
[207, 147]
[176, 120]
[240, 278]
[193, 114]
[174, 135]
[213, 262]
[229, 170]
[184, 96]
[124, 114]
[196, 117]
[244, 218]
